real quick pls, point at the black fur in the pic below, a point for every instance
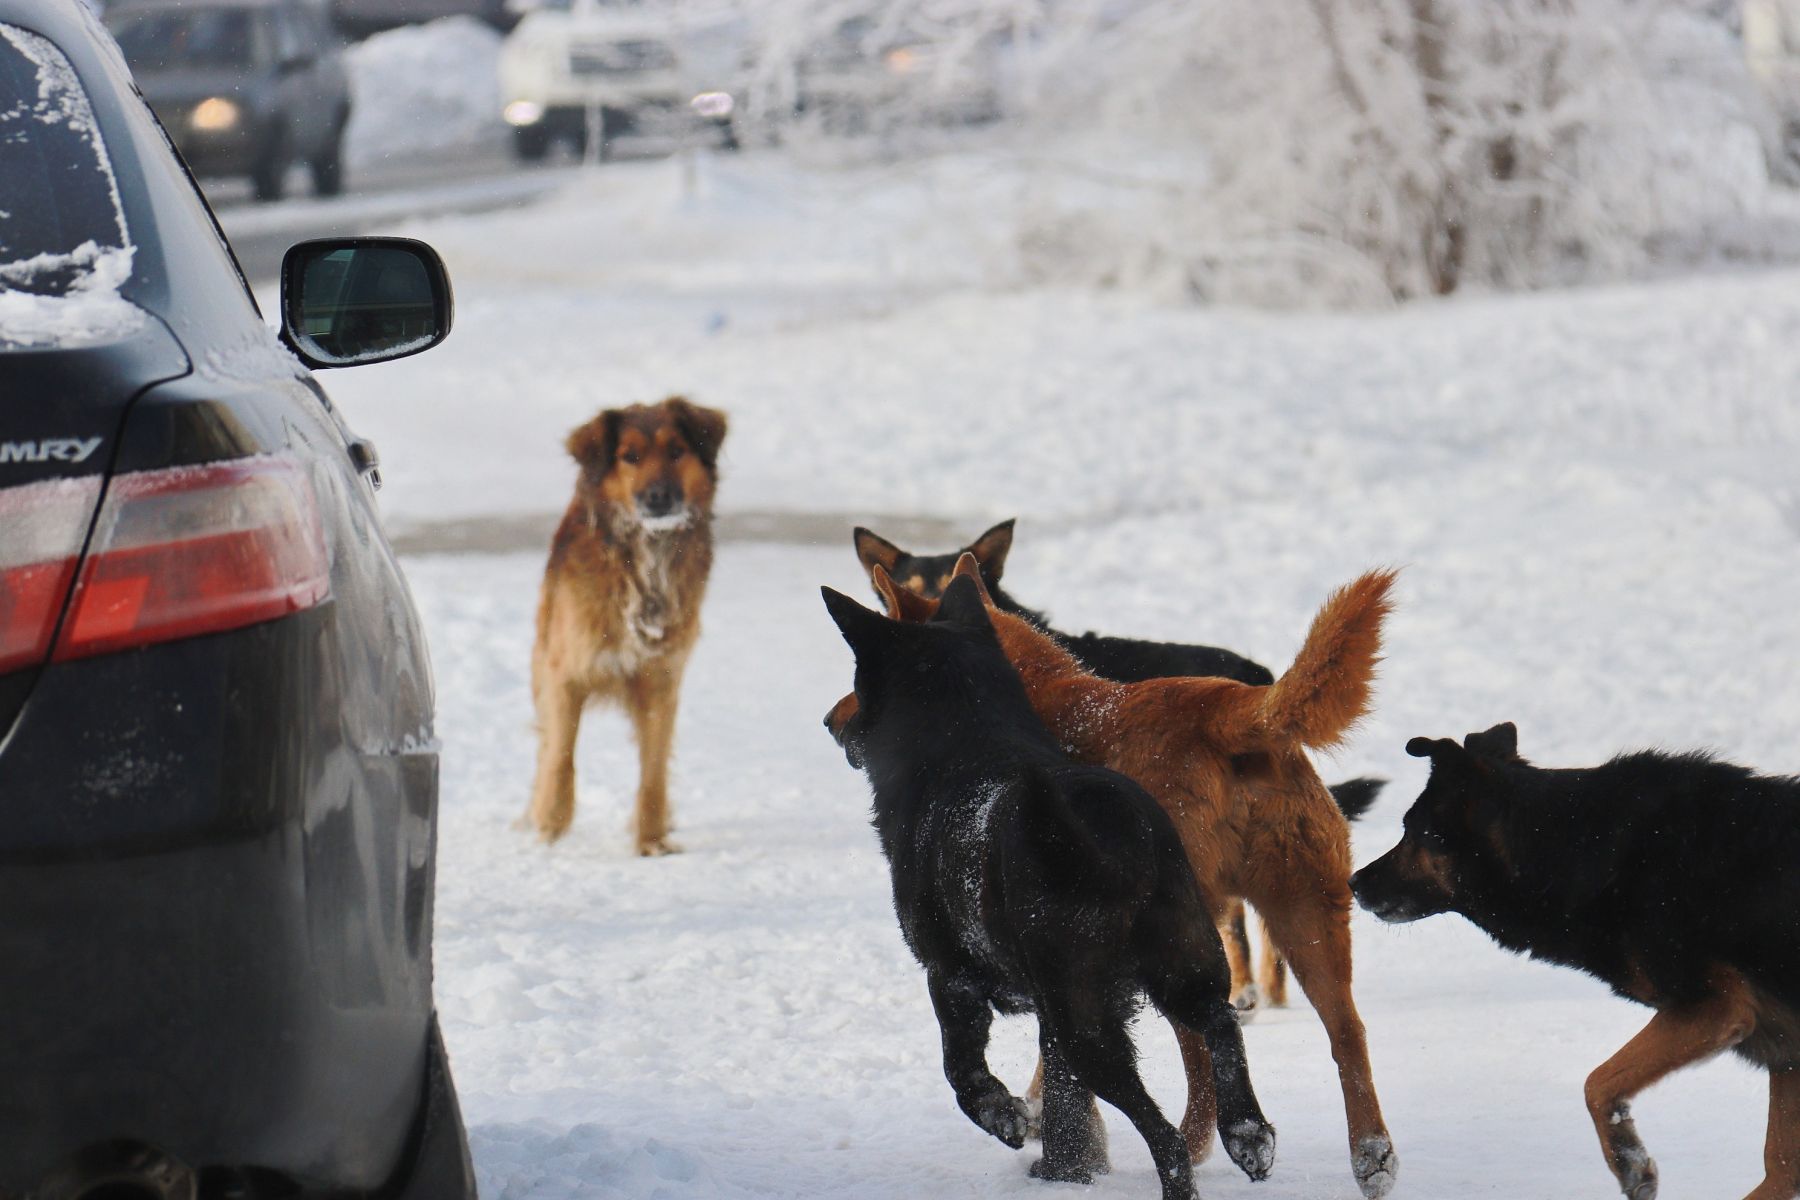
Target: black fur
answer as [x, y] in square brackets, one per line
[1357, 796]
[1648, 872]
[1027, 883]
[1121, 659]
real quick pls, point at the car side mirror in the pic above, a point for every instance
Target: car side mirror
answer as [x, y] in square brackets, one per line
[350, 301]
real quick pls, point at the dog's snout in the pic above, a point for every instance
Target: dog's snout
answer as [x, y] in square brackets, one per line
[660, 498]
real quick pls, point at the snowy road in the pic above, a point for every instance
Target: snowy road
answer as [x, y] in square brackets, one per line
[1591, 496]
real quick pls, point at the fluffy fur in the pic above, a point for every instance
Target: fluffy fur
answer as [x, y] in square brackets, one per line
[1024, 882]
[1671, 877]
[1226, 761]
[619, 611]
[1127, 660]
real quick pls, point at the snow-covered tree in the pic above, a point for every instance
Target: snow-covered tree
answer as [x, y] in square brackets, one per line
[1327, 151]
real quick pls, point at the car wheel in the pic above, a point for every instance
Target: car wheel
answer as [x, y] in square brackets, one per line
[328, 167]
[269, 176]
[530, 142]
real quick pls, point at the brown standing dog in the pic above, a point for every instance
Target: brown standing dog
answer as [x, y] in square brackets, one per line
[1226, 761]
[620, 606]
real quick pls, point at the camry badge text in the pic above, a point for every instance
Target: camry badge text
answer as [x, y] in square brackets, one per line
[69, 450]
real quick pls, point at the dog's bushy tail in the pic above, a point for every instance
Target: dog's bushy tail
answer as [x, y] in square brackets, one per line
[1327, 689]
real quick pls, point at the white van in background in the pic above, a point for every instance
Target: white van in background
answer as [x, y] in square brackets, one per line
[584, 74]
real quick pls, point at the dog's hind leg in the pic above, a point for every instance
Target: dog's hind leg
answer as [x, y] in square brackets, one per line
[1074, 1136]
[1098, 1050]
[651, 699]
[552, 807]
[1674, 1038]
[1314, 932]
[1781, 1149]
[1234, 931]
[1271, 978]
[1201, 1120]
[964, 1018]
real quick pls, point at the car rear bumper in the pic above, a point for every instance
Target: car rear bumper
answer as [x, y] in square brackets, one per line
[216, 922]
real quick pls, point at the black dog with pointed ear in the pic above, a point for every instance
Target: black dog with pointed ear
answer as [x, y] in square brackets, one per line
[1026, 883]
[1674, 878]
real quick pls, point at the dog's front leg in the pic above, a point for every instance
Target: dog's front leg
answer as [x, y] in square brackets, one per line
[964, 1018]
[553, 792]
[651, 698]
[1674, 1038]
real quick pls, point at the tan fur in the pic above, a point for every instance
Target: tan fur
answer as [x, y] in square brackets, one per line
[1734, 1012]
[1226, 761]
[619, 611]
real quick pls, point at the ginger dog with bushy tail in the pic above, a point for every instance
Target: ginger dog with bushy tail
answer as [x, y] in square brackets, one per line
[1227, 761]
[1328, 688]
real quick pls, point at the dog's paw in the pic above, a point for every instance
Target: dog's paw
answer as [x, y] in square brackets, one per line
[657, 848]
[1247, 1000]
[1034, 1116]
[1251, 1145]
[1001, 1115]
[1376, 1166]
[1068, 1172]
[550, 833]
[1637, 1174]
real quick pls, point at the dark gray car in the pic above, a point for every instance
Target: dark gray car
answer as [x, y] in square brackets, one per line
[244, 87]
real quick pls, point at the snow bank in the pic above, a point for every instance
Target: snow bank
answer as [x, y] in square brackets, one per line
[422, 90]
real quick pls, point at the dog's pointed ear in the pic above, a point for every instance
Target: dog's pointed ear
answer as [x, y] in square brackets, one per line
[1502, 741]
[860, 627]
[969, 567]
[1441, 751]
[990, 549]
[887, 589]
[872, 550]
[594, 444]
[903, 604]
[703, 428]
[962, 604]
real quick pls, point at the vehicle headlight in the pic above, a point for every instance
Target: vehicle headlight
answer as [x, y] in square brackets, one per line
[215, 114]
[713, 105]
[522, 112]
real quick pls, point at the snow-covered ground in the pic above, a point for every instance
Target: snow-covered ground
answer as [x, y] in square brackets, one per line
[1590, 494]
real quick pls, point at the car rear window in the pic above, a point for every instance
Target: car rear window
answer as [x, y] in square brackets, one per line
[180, 39]
[64, 246]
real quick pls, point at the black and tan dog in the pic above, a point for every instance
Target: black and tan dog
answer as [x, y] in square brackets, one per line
[1674, 879]
[620, 607]
[1122, 660]
[1026, 883]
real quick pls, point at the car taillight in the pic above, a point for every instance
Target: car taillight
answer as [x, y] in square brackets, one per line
[193, 550]
[42, 527]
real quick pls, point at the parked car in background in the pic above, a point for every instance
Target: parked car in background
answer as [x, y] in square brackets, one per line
[573, 71]
[244, 87]
[218, 774]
